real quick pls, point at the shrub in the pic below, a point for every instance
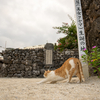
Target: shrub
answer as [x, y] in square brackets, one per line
[93, 58]
[70, 40]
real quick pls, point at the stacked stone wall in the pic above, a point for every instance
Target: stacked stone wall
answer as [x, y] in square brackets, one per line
[29, 63]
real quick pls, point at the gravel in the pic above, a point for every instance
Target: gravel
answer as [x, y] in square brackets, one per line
[28, 89]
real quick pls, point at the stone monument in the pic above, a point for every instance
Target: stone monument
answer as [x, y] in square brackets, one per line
[48, 55]
[81, 36]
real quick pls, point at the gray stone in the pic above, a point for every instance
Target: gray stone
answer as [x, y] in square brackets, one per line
[34, 64]
[42, 71]
[19, 75]
[67, 52]
[49, 46]
[36, 72]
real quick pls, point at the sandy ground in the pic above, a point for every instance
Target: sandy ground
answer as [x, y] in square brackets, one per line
[27, 89]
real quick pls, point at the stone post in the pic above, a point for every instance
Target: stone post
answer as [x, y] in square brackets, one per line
[81, 36]
[49, 48]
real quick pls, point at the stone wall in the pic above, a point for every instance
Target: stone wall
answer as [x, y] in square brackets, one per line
[91, 17]
[30, 63]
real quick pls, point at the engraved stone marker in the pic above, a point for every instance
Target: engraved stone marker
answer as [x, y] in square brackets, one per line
[81, 35]
[49, 55]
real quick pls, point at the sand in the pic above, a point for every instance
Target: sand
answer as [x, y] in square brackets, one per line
[27, 89]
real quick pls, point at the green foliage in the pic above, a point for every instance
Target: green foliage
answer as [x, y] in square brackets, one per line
[93, 58]
[70, 40]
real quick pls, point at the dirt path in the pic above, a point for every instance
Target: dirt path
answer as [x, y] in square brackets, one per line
[27, 89]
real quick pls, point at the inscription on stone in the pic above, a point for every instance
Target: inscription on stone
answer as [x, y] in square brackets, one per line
[80, 28]
[48, 56]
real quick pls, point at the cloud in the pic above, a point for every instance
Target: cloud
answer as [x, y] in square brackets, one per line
[30, 22]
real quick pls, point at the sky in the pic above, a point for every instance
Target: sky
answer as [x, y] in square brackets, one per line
[25, 23]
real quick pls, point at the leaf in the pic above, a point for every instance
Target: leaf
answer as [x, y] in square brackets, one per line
[98, 68]
[95, 70]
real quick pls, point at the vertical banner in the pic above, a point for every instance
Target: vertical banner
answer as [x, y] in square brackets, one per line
[80, 28]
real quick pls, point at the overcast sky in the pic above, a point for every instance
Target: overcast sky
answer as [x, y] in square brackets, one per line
[29, 22]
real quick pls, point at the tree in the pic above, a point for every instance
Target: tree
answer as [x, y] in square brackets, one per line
[70, 40]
